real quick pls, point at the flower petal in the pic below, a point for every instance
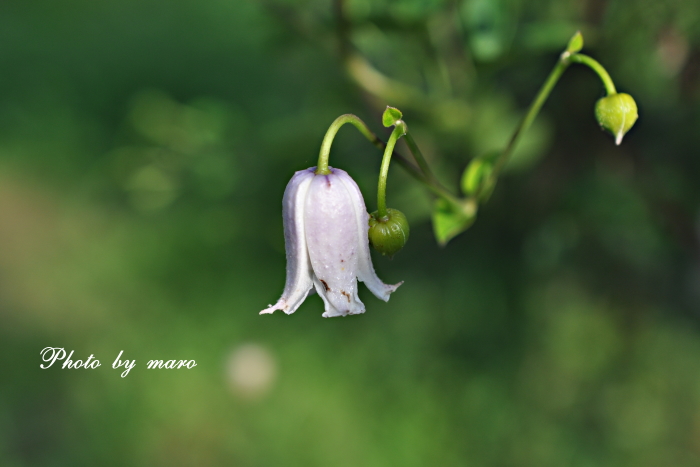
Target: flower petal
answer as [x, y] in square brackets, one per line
[365, 270]
[299, 275]
[332, 241]
[330, 310]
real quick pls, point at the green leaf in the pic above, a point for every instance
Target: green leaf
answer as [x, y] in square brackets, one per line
[575, 43]
[391, 116]
[450, 218]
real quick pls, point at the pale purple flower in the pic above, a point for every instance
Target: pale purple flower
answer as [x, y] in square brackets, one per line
[325, 236]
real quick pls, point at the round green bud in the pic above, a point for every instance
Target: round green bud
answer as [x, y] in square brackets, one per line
[616, 114]
[389, 234]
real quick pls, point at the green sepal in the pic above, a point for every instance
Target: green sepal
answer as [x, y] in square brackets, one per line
[452, 218]
[575, 43]
[391, 116]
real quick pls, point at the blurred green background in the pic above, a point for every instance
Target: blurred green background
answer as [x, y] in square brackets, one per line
[144, 150]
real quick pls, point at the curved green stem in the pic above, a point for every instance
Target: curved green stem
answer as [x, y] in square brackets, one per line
[564, 61]
[598, 68]
[322, 166]
[399, 131]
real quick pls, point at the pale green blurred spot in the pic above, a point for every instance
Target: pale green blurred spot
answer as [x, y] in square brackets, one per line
[165, 122]
[494, 125]
[637, 415]
[454, 116]
[550, 35]
[215, 175]
[582, 339]
[580, 335]
[150, 189]
[490, 30]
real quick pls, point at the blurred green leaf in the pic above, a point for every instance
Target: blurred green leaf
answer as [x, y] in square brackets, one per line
[451, 219]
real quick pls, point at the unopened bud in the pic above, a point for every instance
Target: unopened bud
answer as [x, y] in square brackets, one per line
[575, 43]
[477, 178]
[616, 113]
[389, 234]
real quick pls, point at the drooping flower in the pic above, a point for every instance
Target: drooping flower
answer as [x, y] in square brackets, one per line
[326, 240]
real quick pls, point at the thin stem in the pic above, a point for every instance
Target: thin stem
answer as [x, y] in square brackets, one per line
[322, 166]
[532, 112]
[418, 156]
[399, 131]
[564, 61]
[598, 68]
[429, 180]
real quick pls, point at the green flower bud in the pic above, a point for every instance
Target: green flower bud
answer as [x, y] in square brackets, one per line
[390, 234]
[478, 178]
[616, 114]
[575, 43]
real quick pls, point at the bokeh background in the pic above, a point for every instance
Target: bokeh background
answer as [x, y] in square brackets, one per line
[144, 150]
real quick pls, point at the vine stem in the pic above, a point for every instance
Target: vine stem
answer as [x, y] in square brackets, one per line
[565, 60]
[598, 68]
[418, 156]
[322, 167]
[398, 132]
[532, 112]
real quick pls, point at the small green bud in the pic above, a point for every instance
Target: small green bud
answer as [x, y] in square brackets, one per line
[477, 176]
[616, 114]
[391, 116]
[575, 43]
[390, 234]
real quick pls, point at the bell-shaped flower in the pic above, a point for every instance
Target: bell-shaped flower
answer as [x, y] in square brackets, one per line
[326, 240]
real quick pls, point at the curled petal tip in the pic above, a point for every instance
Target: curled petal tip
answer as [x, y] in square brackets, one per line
[270, 309]
[389, 290]
[284, 306]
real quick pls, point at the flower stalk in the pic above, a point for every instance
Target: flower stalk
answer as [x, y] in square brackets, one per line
[322, 166]
[598, 68]
[398, 132]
